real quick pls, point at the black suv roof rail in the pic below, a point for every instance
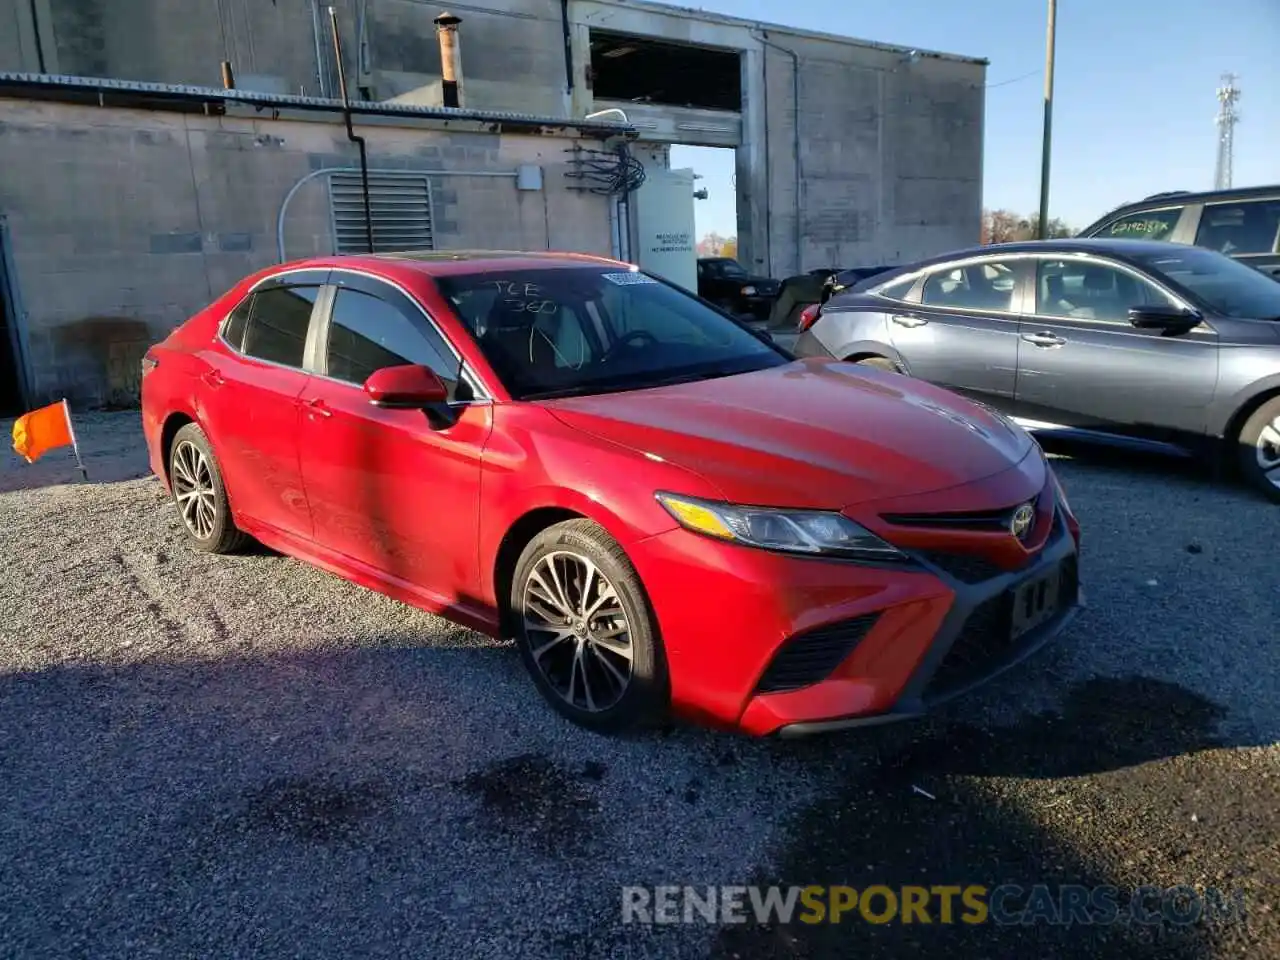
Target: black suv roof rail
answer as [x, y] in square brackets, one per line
[1166, 193]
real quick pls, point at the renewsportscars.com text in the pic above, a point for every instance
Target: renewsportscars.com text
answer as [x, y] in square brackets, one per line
[937, 904]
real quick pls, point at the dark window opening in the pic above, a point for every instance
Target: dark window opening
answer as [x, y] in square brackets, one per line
[642, 70]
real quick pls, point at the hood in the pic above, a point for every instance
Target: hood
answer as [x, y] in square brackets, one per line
[813, 433]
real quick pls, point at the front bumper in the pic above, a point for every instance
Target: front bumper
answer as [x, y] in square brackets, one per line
[774, 644]
[969, 648]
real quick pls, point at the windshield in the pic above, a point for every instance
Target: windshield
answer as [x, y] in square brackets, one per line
[1230, 287]
[731, 268]
[596, 329]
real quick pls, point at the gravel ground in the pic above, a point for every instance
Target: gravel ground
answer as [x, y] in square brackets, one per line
[246, 757]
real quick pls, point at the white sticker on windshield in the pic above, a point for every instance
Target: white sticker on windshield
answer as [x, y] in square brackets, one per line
[626, 279]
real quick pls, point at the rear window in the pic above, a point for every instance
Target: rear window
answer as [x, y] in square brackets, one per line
[1147, 225]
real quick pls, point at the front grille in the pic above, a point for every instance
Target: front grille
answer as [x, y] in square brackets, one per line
[808, 658]
[986, 521]
[987, 635]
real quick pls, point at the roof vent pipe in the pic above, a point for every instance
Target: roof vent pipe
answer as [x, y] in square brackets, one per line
[450, 59]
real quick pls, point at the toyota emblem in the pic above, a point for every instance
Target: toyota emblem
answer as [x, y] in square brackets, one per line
[1023, 517]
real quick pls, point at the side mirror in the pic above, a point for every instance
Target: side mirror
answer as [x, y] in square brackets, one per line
[408, 387]
[1160, 317]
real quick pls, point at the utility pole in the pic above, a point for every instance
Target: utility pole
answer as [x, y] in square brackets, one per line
[1048, 119]
[1227, 118]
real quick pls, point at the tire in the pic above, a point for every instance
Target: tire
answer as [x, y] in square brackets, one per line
[195, 484]
[880, 363]
[559, 659]
[1259, 441]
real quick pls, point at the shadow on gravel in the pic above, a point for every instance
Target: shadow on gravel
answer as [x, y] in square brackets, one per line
[994, 811]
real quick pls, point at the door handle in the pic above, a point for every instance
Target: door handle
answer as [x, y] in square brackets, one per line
[317, 408]
[906, 320]
[214, 378]
[1044, 339]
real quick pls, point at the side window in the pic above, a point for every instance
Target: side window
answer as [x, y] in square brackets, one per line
[233, 331]
[278, 322]
[1240, 228]
[1147, 225]
[366, 333]
[1082, 290]
[898, 290]
[986, 286]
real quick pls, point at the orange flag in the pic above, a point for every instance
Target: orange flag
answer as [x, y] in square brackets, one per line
[38, 432]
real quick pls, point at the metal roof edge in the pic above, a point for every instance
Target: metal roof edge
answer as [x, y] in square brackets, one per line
[649, 6]
[45, 81]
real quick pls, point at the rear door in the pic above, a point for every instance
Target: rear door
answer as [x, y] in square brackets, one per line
[249, 398]
[959, 328]
[1083, 365]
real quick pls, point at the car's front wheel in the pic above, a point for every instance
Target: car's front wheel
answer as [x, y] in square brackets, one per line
[1259, 449]
[880, 363]
[585, 629]
[198, 492]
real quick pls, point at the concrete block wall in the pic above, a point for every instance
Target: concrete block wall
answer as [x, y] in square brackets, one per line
[133, 220]
[889, 154]
[183, 41]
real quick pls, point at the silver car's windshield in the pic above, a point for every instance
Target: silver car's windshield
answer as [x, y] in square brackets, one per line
[1231, 288]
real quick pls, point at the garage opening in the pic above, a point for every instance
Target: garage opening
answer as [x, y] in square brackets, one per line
[644, 70]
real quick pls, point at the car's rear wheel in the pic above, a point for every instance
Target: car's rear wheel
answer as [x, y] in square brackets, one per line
[198, 492]
[1259, 449]
[880, 363]
[585, 629]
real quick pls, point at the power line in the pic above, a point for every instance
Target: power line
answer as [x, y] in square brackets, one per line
[1005, 83]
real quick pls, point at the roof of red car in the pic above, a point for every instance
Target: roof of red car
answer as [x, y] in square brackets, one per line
[447, 262]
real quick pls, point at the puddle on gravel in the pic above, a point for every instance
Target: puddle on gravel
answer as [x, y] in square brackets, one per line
[312, 810]
[533, 799]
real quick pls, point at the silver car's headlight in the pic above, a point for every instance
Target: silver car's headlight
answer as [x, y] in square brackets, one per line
[812, 532]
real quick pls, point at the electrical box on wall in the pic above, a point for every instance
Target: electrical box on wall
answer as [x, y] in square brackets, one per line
[528, 177]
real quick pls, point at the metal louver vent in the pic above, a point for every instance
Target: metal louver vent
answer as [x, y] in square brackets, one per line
[400, 207]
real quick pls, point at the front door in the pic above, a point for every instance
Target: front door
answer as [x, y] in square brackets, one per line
[962, 333]
[250, 400]
[1082, 365]
[388, 490]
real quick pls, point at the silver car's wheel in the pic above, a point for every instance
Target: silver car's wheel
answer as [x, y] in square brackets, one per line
[1258, 446]
[194, 491]
[578, 633]
[1267, 452]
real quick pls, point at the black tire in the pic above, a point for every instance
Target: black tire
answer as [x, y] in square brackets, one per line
[190, 455]
[643, 699]
[1251, 445]
[880, 363]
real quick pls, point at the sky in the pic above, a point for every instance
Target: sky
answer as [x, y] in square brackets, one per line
[1134, 92]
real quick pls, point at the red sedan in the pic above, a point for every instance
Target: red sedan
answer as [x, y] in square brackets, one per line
[663, 509]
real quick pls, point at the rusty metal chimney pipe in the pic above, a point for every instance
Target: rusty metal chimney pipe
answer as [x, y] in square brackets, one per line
[450, 58]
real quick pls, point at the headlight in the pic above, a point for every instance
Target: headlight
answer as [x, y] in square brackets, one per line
[813, 532]
[748, 291]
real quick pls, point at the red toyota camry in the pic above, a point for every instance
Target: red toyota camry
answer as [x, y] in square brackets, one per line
[663, 509]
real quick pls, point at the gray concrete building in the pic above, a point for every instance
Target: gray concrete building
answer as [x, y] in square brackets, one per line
[133, 189]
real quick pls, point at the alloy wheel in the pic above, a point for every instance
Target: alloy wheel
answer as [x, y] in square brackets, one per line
[578, 633]
[193, 489]
[1267, 451]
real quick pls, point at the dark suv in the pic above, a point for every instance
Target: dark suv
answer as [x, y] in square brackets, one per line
[1244, 224]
